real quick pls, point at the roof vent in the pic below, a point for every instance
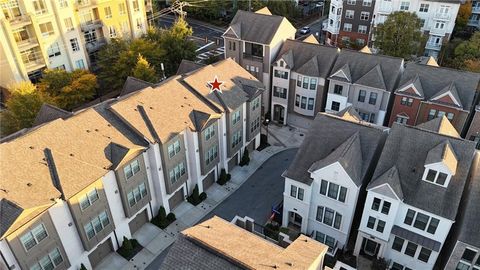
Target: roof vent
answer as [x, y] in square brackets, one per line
[185, 98]
[151, 108]
[29, 184]
[96, 129]
[31, 147]
[108, 125]
[71, 154]
[289, 263]
[181, 106]
[88, 130]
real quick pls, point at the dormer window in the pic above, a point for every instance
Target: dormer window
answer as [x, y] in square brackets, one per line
[440, 164]
[436, 177]
[281, 63]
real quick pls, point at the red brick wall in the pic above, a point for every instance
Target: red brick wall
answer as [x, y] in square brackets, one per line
[353, 37]
[458, 120]
[398, 108]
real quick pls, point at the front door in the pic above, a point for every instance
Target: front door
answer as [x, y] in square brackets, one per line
[295, 219]
[278, 114]
[371, 247]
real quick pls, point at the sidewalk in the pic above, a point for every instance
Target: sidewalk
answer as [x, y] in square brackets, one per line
[285, 136]
[155, 240]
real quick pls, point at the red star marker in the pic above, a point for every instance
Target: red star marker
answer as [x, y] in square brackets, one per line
[215, 85]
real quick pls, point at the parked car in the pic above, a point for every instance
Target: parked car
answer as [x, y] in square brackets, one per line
[305, 30]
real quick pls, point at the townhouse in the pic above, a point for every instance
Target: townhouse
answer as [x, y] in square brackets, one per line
[473, 133]
[474, 20]
[253, 40]
[427, 91]
[66, 34]
[366, 82]
[438, 19]
[80, 182]
[415, 193]
[464, 252]
[299, 82]
[325, 179]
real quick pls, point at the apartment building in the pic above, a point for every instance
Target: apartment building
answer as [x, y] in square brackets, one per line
[474, 20]
[299, 82]
[415, 193]
[364, 81]
[438, 19]
[253, 40]
[427, 91]
[219, 244]
[325, 179]
[78, 183]
[65, 34]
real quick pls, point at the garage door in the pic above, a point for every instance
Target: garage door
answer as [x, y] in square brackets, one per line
[209, 180]
[251, 146]
[233, 162]
[138, 221]
[176, 199]
[100, 252]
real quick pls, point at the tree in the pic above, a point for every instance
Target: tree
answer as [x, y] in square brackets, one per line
[68, 89]
[467, 54]
[400, 35]
[144, 71]
[21, 108]
[82, 267]
[463, 15]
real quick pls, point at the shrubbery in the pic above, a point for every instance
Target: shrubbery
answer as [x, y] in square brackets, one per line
[245, 158]
[224, 177]
[162, 220]
[196, 198]
[129, 248]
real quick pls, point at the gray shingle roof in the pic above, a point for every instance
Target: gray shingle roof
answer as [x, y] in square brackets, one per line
[407, 148]
[326, 134]
[437, 79]
[49, 113]
[360, 64]
[133, 84]
[449, 88]
[308, 58]
[416, 238]
[391, 178]
[187, 66]
[8, 213]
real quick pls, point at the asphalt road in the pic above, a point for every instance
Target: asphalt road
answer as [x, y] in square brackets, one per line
[254, 198]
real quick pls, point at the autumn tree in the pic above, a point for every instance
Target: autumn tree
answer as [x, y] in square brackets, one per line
[144, 71]
[463, 15]
[400, 35]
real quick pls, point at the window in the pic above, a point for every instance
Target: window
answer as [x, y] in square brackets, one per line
[409, 217]
[422, 23]
[68, 24]
[296, 192]
[335, 106]
[303, 105]
[361, 95]
[255, 124]
[373, 98]
[404, 6]
[431, 114]
[46, 29]
[424, 254]
[329, 217]
[351, 2]
[313, 84]
[256, 103]
[40, 7]
[236, 138]
[371, 222]
[431, 175]
[450, 116]
[63, 3]
[386, 208]
[280, 74]
[396, 266]
[235, 117]
[439, 25]
[135, 5]
[406, 101]
[367, 3]
[305, 82]
[349, 14]
[96, 225]
[376, 204]
[310, 104]
[108, 12]
[53, 50]
[364, 16]
[462, 266]
[297, 100]
[279, 92]
[177, 172]
[211, 154]
[347, 27]
[337, 89]
[88, 199]
[209, 132]
[121, 9]
[293, 191]
[442, 177]
[380, 226]
[398, 244]
[299, 81]
[333, 191]
[468, 255]
[74, 44]
[173, 148]
[421, 221]
[139, 24]
[423, 7]
[131, 169]
[327, 240]
[411, 249]
[112, 31]
[80, 64]
[33, 237]
[49, 261]
[401, 119]
[436, 177]
[362, 29]
[136, 194]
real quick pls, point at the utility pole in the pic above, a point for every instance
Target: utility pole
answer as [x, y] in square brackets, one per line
[249, 5]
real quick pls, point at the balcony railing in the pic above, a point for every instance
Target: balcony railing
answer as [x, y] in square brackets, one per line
[84, 3]
[95, 45]
[252, 57]
[90, 25]
[476, 9]
[474, 22]
[19, 21]
[442, 16]
[437, 32]
[385, 9]
[27, 43]
[433, 46]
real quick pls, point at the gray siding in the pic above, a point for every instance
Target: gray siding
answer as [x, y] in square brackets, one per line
[169, 163]
[28, 258]
[205, 145]
[126, 186]
[457, 255]
[251, 116]
[229, 52]
[232, 129]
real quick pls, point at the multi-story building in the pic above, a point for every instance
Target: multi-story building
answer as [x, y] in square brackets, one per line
[324, 181]
[81, 182]
[474, 20]
[253, 40]
[299, 82]
[438, 19]
[414, 197]
[473, 133]
[355, 23]
[365, 81]
[65, 34]
[332, 30]
[426, 92]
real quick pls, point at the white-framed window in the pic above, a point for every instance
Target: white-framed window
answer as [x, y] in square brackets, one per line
[347, 27]
[280, 92]
[436, 177]
[297, 100]
[337, 89]
[211, 154]
[305, 82]
[50, 261]
[444, 9]
[380, 224]
[367, 3]
[40, 7]
[108, 12]
[313, 83]
[297, 192]
[404, 5]
[131, 169]
[280, 74]
[62, 3]
[351, 2]
[333, 191]
[255, 124]
[424, 7]
[68, 24]
[385, 207]
[177, 172]
[121, 9]
[303, 104]
[139, 24]
[434, 114]
[235, 117]
[33, 237]
[335, 106]
[364, 15]
[80, 64]
[209, 132]
[401, 119]
[299, 80]
[325, 239]
[96, 225]
[421, 221]
[256, 103]
[468, 261]
[46, 29]
[329, 217]
[136, 194]
[112, 31]
[349, 14]
[135, 5]
[406, 101]
[88, 199]
[173, 148]
[53, 50]
[236, 138]
[439, 25]
[74, 44]
[362, 29]
[311, 102]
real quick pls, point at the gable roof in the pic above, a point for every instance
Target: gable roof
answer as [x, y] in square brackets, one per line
[349, 113]
[440, 125]
[49, 113]
[407, 148]
[308, 58]
[258, 27]
[391, 178]
[187, 66]
[451, 91]
[435, 80]
[416, 83]
[133, 84]
[443, 152]
[343, 74]
[377, 71]
[328, 133]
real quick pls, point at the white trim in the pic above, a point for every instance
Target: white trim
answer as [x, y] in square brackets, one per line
[230, 28]
[407, 87]
[336, 74]
[449, 93]
[388, 185]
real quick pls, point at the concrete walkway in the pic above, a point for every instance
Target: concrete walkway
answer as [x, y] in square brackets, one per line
[285, 136]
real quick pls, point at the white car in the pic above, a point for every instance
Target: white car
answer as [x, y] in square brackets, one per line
[305, 30]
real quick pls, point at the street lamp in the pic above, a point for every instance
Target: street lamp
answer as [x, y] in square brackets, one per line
[266, 122]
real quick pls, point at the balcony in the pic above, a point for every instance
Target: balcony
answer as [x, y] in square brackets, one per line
[84, 3]
[386, 9]
[26, 44]
[442, 16]
[433, 46]
[93, 46]
[252, 57]
[19, 21]
[476, 9]
[91, 25]
[437, 32]
[475, 23]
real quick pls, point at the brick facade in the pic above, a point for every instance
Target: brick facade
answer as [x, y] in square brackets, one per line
[410, 111]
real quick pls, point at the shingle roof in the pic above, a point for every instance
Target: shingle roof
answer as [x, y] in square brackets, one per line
[49, 113]
[416, 238]
[349, 113]
[187, 66]
[436, 79]
[257, 27]
[360, 64]
[326, 134]
[443, 152]
[307, 58]
[407, 148]
[133, 84]
[452, 89]
[391, 178]
[440, 125]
